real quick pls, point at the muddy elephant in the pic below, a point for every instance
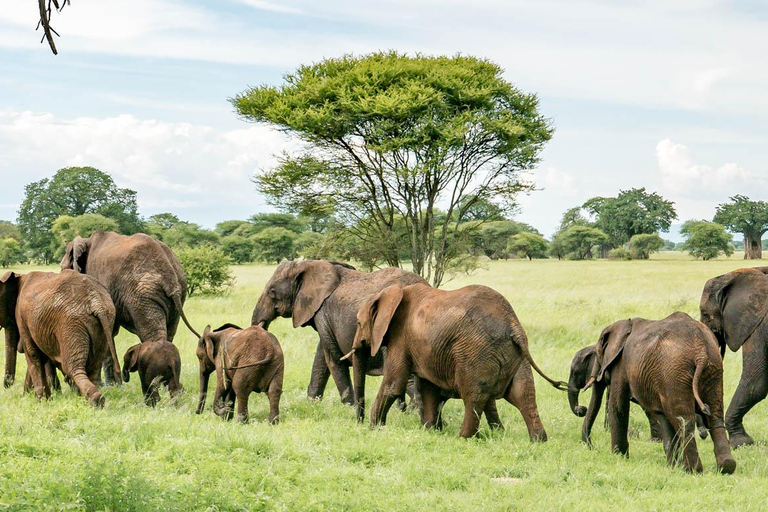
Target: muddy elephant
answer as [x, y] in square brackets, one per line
[672, 367]
[466, 342]
[734, 306]
[143, 277]
[64, 320]
[326, 296]
[245, 361]
[158, 364]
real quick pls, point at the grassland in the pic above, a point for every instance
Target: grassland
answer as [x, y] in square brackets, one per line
[63, 455]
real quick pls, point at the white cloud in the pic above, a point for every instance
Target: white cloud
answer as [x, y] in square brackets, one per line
[559, 182]
[270, 6]
[170, 165]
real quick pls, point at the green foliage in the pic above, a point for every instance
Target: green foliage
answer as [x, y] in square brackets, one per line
[262, 221]
[163, 220]
[742, 215]
[706, 240]
[207, 270]
[619, 253]
[310, 245]
[491, 238]
[66, 228]
[577, 242]
[478, 208]
[390, 136]
[187, 234]
[9, 230]
[643, 245]
[239, 248]
[274, 244]
[11, 252]
[73, 191]
[632, 212]
[528, 245]
[228, 227]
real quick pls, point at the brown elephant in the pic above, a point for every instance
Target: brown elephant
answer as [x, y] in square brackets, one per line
[326, 295]
[143, 277]
[673, 369]
[158, 364]
[734, 306]
[65, 319]
[246, 361]
[466, 343]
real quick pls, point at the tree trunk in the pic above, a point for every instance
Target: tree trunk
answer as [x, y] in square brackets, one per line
[753, 248]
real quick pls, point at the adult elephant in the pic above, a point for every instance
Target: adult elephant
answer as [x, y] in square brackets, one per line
[326, 295]
[734, 306]
[143, 277]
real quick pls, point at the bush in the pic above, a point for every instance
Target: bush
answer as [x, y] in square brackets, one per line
[207, 270]
[528, 245]
[274, 244]
[643, 245]
[619, 253]
[11, 252]
[239, 248]
[577, 242]
[706, 240]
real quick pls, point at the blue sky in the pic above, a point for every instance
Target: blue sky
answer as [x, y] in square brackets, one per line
[672, 96]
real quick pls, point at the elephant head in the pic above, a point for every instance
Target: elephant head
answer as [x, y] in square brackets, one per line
[374, 316]
[582, 366]
[9, 292]
[297, 290]
[733, 305]
[207, 354]
[76, 255]
[131, 361]
[609, 347]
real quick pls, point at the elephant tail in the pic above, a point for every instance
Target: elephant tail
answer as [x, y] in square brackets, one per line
[176, 297]
[521, 340]
[107, 328]
[700, 365]
[258, 363]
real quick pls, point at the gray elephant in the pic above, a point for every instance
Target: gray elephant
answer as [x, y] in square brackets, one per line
[326, 296]
[158, 364]
[143, 277]
[734, 306]
[61, 320]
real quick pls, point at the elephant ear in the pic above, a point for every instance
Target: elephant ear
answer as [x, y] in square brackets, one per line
[610, 345]
[744, 306]
[378, 314]
[210, 344]
[76, 255]
[315, 281]
[131, 361]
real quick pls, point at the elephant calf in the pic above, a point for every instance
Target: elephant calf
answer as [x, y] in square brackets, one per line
[158, 363]
[246, 361]
[65, 319]
[466, 343]
[672, 367]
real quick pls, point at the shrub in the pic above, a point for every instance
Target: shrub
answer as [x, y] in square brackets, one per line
[207, 270]
[619, 253]
[706, 240]
[643, 245]
[528, 245]
[239, 248]
[11, 252]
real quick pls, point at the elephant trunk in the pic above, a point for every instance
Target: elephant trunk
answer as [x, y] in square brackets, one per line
[264, 311]
[204, 376]
[11, 346]
[573, 398]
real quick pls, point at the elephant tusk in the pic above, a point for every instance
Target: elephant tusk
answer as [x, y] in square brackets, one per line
[348, 355]
[588, 384]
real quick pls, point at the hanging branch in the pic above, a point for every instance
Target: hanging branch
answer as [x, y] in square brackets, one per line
[45, 20]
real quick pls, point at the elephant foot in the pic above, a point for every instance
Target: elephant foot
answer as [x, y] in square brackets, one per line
[703, 433]
[401, 405]
[727, 465]
[539, 437]
[315, 397]
[8, 381]
[740, 439]
[97, 401]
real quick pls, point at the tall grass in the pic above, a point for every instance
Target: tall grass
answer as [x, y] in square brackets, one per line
[63, 455]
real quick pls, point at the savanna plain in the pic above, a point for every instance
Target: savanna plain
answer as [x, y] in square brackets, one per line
[63, 455]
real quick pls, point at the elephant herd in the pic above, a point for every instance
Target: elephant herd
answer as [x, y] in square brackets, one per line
[429, 344]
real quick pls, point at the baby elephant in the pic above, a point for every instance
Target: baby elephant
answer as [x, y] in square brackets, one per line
[158, 363]
[672, 367]
[246, 361]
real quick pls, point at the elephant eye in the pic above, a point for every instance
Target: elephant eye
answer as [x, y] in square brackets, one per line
[272, 293]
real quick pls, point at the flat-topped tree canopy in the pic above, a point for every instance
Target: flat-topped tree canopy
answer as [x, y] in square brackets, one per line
[748, 217]
[390, 137]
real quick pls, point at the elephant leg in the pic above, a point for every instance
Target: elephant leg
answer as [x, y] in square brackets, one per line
[668, 438]
[473, 409]
[340, 373]
[109, 370]
[274, 392]
[229, 404]
[242, 404]
[51, 376]
[684, 424]
[753, 387]
[492, 415]
[413, 390]
[656, 435]
[319, 376]
[522, 394]
[431, 398]
[151, 392]
[87, 388]
[391, 387]
[359, 365]
[618, 414]
[35, 370]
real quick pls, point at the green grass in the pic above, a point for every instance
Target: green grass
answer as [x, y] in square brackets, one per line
[63, 455]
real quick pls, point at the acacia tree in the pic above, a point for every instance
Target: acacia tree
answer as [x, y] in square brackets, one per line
[706, 240]
[388, 137]
[749, 218]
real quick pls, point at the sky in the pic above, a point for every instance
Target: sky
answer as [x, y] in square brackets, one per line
[671, 96]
